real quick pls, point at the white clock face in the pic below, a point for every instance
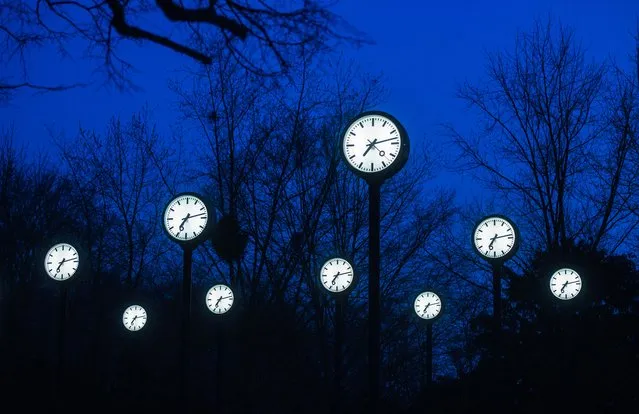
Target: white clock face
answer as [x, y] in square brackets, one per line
[427, 305]
[372, 143]
[494, 237]
[565, 284]
[134, 318]
[336, 274]
[61, 261]
[219, 299]
[185, 217]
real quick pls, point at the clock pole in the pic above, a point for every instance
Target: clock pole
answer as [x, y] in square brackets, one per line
[497, 267]
[373, 293]
[339, 339]
[429, 354]
[185, 357]
[62, 337]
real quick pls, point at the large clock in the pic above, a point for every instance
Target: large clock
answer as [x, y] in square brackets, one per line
[61, 261]
[134, 318]
[375, 145]
[495, 238]
[219, 299]
[427, 305]
[565, 283]
[337, 275]
[186, 218]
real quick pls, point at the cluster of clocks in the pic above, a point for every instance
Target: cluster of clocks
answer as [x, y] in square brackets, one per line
[219, 300]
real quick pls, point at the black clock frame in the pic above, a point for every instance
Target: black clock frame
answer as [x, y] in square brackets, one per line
[231, 309]
[576, 299]
[208, 229]
[507, 256]
[346, 291]
[74, 241]
[402, 157]
[431, 320]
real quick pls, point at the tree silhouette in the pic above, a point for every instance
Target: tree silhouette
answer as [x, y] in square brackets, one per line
[264, 37]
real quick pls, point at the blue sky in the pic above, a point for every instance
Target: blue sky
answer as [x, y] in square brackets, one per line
[424, 49]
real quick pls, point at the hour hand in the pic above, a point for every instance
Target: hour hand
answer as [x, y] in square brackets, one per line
[370, 146]
[60, 264]
[188, 215]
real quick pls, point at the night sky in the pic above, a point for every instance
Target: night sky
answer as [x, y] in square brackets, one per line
[423, 50]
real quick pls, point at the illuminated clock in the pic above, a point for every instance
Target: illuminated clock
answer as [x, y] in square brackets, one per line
[134, 318]
[337, 275]
[427, 305]
[565, 284]
[219, 299]
[61, 261]
[186, 218]
[375, 145]
[495, 238]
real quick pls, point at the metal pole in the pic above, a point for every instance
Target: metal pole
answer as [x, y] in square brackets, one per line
[185, 357]
[337, 362]
[61, 342]
[497, 295]
[373, 295]
[429, 354]
[218, 369]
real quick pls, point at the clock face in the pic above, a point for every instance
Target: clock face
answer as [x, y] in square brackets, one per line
[134, 318]
[219, 299]
[494, 237]
[336, 275]
[427, 305]
[185, 217]
[565, 284]
[372, 143]
[61, 261]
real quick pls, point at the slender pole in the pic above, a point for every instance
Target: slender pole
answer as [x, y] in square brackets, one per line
[218, 369]
[337, 361]
[62, 340]
[497, 266]
[429, 354]
[373, 295]
[185, 357]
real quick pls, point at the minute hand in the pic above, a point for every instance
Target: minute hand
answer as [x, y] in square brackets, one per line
[389, 139]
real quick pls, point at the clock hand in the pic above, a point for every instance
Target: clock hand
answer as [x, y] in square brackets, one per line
[188, 215]
[195, 215]
[370, 146]
[563, 286]
[503, 235]
[490, 246]
[60, 264]
[384, 140]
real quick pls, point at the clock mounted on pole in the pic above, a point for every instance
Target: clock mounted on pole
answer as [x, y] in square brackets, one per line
[375, 147]
[187, 221]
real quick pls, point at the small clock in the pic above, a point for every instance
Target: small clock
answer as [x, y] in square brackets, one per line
[219, 299]
[134, 318]
[565, 284]
[61, 261]
[337, 275]
[375, 145]
[495, 238]
[427, 305]
[186, 218]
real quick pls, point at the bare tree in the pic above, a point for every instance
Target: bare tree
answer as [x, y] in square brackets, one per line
[264, 37]
[549, 134]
